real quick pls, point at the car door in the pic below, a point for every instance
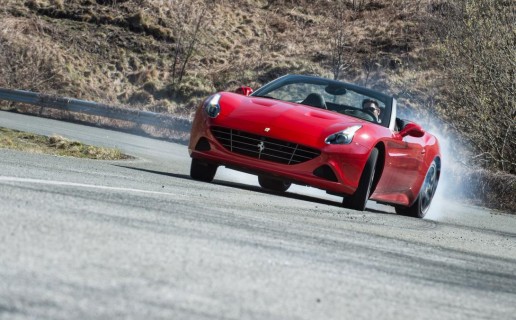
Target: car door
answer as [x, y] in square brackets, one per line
[403, 160]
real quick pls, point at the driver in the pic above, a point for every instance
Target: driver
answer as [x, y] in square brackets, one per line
[373, 107]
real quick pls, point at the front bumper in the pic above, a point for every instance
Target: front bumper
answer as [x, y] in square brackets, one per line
[345, 162]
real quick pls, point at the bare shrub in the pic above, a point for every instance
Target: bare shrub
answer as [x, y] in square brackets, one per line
[188, 20]
[478, 61]
[340, 58]
[483, 187]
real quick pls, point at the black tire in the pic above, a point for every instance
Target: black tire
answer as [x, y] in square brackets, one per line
[202, 171]
[359, 199]
[420, 207]
[276, 185]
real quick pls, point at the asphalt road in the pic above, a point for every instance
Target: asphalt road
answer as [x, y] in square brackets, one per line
[138, 239]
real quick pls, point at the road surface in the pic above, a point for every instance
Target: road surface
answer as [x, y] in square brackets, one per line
[138, 239]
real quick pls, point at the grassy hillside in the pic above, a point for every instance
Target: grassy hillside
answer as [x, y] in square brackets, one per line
[132, 52]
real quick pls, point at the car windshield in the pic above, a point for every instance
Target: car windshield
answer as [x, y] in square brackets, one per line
[332, 95]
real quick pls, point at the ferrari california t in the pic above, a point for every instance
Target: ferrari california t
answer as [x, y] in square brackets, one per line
[323, 133]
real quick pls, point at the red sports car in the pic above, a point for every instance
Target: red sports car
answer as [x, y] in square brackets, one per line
[323, 133]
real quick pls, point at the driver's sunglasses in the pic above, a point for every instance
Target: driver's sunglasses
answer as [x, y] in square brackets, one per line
[372, 107]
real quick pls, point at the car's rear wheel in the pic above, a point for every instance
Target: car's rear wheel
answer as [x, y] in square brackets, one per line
[420, 207]
[273, 184]
[359, 199]
[202, 171]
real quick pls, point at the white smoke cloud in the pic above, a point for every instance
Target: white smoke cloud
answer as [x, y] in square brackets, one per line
[451, 154]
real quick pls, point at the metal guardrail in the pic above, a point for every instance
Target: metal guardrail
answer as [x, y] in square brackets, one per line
[96, 109]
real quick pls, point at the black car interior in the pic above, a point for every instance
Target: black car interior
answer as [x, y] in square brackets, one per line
[315, 100]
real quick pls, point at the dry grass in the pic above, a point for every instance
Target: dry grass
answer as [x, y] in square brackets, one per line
[123, 52]
[55, 145]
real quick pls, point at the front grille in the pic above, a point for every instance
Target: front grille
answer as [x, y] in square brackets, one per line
[264, 148]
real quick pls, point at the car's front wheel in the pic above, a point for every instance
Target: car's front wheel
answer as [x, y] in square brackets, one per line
[202, 171]
[273, 184]
[420, 207]
[359, 199]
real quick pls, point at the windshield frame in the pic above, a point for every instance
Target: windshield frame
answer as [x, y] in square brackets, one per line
[387, 100]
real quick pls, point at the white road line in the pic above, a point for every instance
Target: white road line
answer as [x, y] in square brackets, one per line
[80, 185]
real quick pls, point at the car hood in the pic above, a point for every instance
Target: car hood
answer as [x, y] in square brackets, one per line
[281, 120]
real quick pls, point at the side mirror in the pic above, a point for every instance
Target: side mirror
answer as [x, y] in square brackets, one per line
[413, 130]
[246, 91]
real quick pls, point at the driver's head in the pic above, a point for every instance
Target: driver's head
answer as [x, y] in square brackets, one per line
[372, 106]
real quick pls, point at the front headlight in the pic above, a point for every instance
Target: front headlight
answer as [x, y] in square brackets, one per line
[212, 107]
[343, 137]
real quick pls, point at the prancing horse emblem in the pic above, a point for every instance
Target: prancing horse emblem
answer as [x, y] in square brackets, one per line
[261, 147]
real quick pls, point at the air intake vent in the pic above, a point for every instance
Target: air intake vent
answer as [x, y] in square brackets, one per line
[325, 172]
[262, 147]
[203, 145]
